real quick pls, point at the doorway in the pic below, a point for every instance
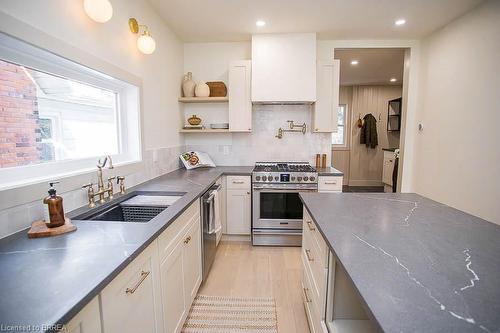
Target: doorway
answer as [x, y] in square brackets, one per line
[370, 112]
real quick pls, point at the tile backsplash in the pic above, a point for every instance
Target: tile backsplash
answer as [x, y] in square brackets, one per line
[261, 144]
[156, 161]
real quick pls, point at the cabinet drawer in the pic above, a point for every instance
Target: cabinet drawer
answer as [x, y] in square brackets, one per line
[238, 183]
[329, 184]
[169, 237]
[311, 231]
[317, 273]
[310, 302]
[129, 302]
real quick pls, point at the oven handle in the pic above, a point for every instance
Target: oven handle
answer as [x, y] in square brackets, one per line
[277, 233]
[261, 188]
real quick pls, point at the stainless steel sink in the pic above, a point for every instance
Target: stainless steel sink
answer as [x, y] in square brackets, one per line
[138, 206]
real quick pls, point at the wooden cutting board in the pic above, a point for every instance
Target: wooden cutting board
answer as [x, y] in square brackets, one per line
[39, 229]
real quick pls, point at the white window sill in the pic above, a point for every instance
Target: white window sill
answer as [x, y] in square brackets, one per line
[340, 148]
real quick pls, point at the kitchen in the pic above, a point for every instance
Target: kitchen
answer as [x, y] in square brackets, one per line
[270, 226]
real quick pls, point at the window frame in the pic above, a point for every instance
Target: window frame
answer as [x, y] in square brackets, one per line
[128, 113]
[345, 145]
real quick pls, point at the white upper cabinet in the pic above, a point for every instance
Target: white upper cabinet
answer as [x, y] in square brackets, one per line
[284, 68]
[328, 84]
[240, 104]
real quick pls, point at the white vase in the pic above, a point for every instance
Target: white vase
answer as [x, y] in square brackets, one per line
[188, 85]
[202, 90]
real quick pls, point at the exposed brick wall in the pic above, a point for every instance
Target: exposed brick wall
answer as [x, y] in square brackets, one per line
[20, 138]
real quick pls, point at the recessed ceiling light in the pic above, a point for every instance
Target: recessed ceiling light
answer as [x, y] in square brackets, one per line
[393, 79]
[260, 23]
[354, 62]
[400, 22]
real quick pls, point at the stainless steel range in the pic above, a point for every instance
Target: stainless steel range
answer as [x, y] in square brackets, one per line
[276, 206]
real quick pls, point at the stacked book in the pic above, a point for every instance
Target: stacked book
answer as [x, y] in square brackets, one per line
[193, 127]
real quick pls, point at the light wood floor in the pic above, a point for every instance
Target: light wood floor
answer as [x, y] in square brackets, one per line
[240, 269]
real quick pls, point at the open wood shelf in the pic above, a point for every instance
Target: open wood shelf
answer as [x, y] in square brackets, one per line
[206, 130]
[203, 99]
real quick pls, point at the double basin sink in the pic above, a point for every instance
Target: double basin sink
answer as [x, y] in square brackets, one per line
[138, 206]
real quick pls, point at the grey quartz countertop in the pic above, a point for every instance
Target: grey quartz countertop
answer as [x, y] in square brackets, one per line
[329, 171]
[418, 265]
[46, 281]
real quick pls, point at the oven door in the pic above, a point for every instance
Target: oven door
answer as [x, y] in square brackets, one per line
[277, 207]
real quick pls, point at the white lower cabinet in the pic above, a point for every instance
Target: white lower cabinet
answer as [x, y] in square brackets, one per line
[330, 184]
[191, 261]
[239, 204]
[173, 291]
[180, 268]
[331, 302]
[88, 320]
[154, 292]
[131, 302]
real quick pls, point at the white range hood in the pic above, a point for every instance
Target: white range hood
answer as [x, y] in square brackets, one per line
[284, 68]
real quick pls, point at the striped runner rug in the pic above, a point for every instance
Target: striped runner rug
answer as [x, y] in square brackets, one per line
[219, 314]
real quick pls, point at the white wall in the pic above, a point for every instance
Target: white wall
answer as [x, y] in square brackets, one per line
[209, 62]
[457, 155]
[114, 44]
[161, 72]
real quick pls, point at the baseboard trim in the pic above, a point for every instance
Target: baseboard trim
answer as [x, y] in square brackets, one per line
[365, 183]
[236, 238]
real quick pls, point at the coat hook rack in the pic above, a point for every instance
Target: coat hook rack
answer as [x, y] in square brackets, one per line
[292, 128]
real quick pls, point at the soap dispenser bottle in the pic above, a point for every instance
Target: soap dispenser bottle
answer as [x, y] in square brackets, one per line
[55, 209]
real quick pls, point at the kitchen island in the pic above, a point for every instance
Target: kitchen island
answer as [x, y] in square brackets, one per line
[417, 265]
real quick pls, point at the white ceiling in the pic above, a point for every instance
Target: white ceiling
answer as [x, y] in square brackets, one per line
[376, 66]
[234, 20]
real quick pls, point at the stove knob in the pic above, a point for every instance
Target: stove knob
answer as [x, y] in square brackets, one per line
[293, 178]
[299, 179]
[269, 178]
[276, 178]
[306, 178]
[264, 178]
[312, 178]
[257, 178]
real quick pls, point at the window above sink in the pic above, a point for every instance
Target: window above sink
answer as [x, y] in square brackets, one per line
[60, 116]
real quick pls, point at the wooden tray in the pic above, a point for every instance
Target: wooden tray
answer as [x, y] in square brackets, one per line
[39, 229]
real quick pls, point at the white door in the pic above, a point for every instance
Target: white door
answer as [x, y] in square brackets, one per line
[240, 104]
[128, 302]
[192, 261]
[173, 290]
[238, 212]
[328, 84]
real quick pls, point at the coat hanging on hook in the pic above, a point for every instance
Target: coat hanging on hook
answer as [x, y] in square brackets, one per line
[368, 135]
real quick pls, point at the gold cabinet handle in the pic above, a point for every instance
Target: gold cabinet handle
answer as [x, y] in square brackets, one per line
[308, 254]
[331, 183]
[238, 182]
[308, 300]
[132, 290]
[310, 225]
[187, 240]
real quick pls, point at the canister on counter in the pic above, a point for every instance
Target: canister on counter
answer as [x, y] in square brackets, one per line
[323, 161]
[318, 160]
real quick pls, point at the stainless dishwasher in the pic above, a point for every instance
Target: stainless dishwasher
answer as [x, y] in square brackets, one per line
[208, 222]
